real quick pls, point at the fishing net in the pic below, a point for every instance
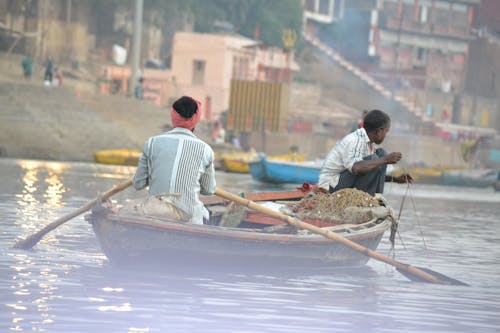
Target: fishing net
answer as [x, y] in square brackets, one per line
[347, 205]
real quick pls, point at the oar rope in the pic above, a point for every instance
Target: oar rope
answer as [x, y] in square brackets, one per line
[409, 271]
[29, 242]
[417, 215]
[391, 238]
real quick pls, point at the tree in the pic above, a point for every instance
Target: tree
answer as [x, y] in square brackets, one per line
[271, 17]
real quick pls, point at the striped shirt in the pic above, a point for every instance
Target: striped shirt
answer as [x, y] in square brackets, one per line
[177, 162]
[353, 148]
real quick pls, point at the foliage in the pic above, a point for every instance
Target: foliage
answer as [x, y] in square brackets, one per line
[271, 18]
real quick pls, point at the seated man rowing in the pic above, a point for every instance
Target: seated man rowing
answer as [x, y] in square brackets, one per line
[178, 164]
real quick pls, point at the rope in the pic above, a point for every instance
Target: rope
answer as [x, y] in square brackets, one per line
[417, 215]
[395, 229]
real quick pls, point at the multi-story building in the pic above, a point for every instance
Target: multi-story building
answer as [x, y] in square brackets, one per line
[423, 43]
[324, 11]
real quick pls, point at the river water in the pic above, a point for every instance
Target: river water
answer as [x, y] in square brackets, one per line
[65, 283]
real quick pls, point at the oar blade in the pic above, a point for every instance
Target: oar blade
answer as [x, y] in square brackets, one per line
[27, 243]
[445, 279]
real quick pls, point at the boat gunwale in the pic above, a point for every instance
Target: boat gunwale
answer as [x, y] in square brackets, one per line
[381, 225]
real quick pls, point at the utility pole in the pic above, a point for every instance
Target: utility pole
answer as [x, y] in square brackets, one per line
[398, 46]
[136, 46]
[69, 31]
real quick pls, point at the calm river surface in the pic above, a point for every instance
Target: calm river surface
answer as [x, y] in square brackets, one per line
[65, 283]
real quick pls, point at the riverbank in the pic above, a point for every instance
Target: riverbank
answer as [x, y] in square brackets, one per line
[72, 122]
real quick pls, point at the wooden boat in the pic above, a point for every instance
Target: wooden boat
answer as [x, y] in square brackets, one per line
[424, 174]
[239, 162]
[470, 178]
[276, 171]
[221, 149]
[118, 156]
[496, 186]
[257, 241]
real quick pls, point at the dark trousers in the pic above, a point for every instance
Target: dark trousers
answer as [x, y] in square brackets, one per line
[371, 182]
[48, 76]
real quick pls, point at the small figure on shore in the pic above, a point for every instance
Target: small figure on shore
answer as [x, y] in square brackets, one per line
[218, 133]
[356, 162]
[49, 71]
[138, 88]
[27, 65]
[235, 141]
[360, 122]
[58, 77]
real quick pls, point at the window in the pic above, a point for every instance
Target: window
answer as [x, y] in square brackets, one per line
[324, 7]
[198, 72]
[420, 53]
[310, 6]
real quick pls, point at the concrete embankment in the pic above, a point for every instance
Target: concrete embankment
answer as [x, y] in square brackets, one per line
[61, 123]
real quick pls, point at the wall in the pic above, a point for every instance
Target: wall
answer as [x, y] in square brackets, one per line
[415, 149]
[190, 47]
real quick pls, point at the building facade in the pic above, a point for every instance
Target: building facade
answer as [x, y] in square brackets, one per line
[423, 43]
[204, 65]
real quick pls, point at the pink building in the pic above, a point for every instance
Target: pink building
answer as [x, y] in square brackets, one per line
[203, 66]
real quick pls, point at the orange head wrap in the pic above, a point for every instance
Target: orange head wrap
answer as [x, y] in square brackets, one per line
[187, 123]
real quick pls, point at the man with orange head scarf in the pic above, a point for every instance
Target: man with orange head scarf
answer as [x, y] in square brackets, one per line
[177, 162]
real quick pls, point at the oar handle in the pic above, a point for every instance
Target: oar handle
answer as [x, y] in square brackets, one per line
[329, 234]
[29, 242]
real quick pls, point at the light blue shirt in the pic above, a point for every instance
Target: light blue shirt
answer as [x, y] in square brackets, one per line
[178, 162]
[353, 148]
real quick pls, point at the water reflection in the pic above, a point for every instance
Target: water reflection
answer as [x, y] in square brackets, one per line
[29, 208]
[27, 203]
[35, 285]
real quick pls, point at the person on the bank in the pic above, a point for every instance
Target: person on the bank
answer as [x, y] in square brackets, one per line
[49, 71]
[27, 65]
[179, 163]
[356, 161]
[359, 123]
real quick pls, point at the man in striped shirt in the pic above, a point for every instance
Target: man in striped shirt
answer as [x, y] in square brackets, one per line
[177, 162]
[356, 162]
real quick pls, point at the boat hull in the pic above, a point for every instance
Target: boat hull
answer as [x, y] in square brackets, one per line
[239, 162]
[147, 241]
[470, 178]
[234, 165]
[118, 156]
[272, 171]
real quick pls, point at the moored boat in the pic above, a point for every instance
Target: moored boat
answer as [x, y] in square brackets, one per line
[496, 186]
[256, 241]
[279, 171]
[222, 149]
[118, 156]
[237, 162]
[240, 162]
[470, 178]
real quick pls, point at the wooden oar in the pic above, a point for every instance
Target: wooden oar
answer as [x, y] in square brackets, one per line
[411, 272]
[29, 242]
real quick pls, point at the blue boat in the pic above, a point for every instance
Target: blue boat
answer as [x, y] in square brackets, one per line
[280, 172]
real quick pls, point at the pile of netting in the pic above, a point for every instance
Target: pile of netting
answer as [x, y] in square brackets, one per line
[347, 204]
